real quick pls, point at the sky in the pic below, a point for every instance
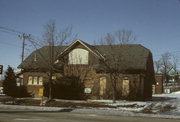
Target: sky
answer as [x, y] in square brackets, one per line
[156, 23]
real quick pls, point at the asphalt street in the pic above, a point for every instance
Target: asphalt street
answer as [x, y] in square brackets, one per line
[10, 115]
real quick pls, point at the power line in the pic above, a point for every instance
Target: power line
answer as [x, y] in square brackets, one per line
[5, 43]
[11, 30]
[20, 34]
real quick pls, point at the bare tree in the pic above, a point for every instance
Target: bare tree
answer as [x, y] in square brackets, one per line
[123, 36]
[157, 66]
[51, 39]
[166, 64]
[175, 62]
[118, 38]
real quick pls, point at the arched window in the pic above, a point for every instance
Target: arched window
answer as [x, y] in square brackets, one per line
[35, 80]
[40, 80]
[30, 80]
[78, 56]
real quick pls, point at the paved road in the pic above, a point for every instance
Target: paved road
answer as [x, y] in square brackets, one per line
[9, 115]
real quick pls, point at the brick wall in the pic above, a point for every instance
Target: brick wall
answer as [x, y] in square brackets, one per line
[91, 80]
[159, 84]
[34, 89]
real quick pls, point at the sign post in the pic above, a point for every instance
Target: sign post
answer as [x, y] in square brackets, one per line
[41, 94]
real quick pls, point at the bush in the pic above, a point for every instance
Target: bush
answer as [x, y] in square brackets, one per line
[22, 92]
[69, 88]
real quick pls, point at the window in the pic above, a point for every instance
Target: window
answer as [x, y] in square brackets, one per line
[30, 80]
[35, 82]
[78, 56]
[53, 77]
[40, 80]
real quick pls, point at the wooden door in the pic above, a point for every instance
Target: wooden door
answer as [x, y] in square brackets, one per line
[102, 85]
[125, 88]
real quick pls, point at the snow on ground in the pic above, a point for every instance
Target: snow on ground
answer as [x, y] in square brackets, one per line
[162, 105]
[167, 105]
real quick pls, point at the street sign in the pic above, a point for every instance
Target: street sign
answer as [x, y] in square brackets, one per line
[87, 90]
[41, 92]
[1, 69]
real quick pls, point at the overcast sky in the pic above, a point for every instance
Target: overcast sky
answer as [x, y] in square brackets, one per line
[156, 23]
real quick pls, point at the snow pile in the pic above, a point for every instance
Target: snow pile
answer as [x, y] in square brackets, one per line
[162, 104]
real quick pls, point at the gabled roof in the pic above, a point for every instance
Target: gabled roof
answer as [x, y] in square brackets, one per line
[172, 71]
[86, 45]
[126, 56]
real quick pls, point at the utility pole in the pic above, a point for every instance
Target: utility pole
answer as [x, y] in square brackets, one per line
[23, 37]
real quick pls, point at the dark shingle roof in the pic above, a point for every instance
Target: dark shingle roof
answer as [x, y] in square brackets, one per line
[126, 56]
[39, 59]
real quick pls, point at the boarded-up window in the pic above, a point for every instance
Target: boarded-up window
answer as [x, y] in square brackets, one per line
[40, 80]
[125, 87]
[102, 86]
[78, 56]
[30, 80]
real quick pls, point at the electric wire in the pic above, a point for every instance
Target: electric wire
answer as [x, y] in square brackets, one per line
[11, 30]
[16, 32]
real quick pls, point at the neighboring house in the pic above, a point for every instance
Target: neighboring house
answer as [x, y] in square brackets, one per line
[172, 85]
[133, 62]
[173, 76]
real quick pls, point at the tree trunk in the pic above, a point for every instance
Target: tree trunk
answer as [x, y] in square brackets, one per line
[114, 96]
[113, 88]
[50, 85]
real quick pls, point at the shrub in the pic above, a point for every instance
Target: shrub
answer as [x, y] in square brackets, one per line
[22, 92]
[69, 87]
